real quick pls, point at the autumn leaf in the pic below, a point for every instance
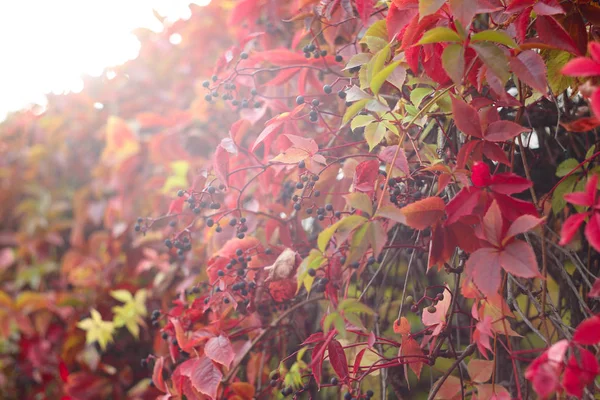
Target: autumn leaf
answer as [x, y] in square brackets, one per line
[219, 350]
[423, 213]
[97, 330]
[131, 314]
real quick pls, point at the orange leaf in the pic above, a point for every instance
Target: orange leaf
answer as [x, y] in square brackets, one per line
[402, 326]
[244, 390]
[424, 213]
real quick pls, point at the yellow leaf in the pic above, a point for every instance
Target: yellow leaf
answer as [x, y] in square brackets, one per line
[97, 330]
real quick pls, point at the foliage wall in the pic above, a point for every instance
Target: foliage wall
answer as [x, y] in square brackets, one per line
[313, 199]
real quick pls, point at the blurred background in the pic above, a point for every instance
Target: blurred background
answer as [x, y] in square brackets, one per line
[46, 46]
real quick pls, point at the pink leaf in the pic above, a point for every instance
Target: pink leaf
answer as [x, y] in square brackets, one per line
[464, 11]
[219, 349]
[518, 258]
[522, 224]
[531, 69]
[508, 183]
[580, 372]
[595, 290]
[337, 358]
[364, 8]
[366, 176]
[595, 99]
[466, 118]
[438, 317]
[272, 127]
[570, 227]
[204, 375]
[221, 164]
[483, 266]
[588, 332]
[581, 66]
[387, 155]
[492, 225]
[501, 131]
[516, 6]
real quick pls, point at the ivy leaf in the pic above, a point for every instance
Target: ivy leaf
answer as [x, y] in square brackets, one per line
[566, 167]
[412, 353]
[453, 61]
[354, 109]
[480, 370]
[428, 7]
[424, 213]
[495, 36]
[374, 134]
[501, 131]
[364, 8]
[464, 11]
[466, 118]
[438, 35]
[337, 358]
[588, 331]
[360, 201]
[552, 33]
[493, 57]
[204, 375]
[221, 164]
[219, 350]
[131, 314]
[344, 226]
[530, 68]
[379, 78]
[97, 330]
[157, 374]
[449, 389]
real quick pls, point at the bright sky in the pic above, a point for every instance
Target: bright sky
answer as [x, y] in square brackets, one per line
[46, 45]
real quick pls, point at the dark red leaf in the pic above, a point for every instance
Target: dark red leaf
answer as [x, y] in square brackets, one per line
[337, 358]
[317, 361]
[501, 131]
[585, 124]
[552, 33]
[314, 338]
[466, 118]
[516, 6]
[462, 204]
[495, 153]
[548, 7]
[531, 69]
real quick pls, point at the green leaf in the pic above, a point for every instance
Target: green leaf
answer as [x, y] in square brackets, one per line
[345, 226]
[588, 154]
[453, 61]
[360, 201]
[376, 64]
[566, 167]
[558, 200]
[417, 95]
[374, 134]
[314, 260]
[555, 61]
[354, 109]
[357, 60]
[494, 36]
[354, 306]
[336, 320]
[381, 76]
[361, 120]
[494, 58]
[123, 296]
[391, 212]
[377, 29]
[439, 34]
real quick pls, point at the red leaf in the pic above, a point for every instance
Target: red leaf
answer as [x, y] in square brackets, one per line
[595, 100]
[317, 361]
[337, 358]
[480, 174]
[483, 266]
[204, 375]
[272, 127]
[466, 118]
[462, 204]
[580, 372]
[548, 7]
[588, 331]
[314, 338]
[157, 374]
[424, 213]
[570, 227]
[508, 183]
[397, 19]
[402, 326]
[581, 66]
[219, 349]
[552, 33]
[585, 124]
[176, 206]
[592, 231]
[221, 164]
[364, 8]
[366, 176]
[495, 153]
[501, 131]
[412, 352]
[518, 258]
[531, 69]
[516, 6]
[492, 225]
